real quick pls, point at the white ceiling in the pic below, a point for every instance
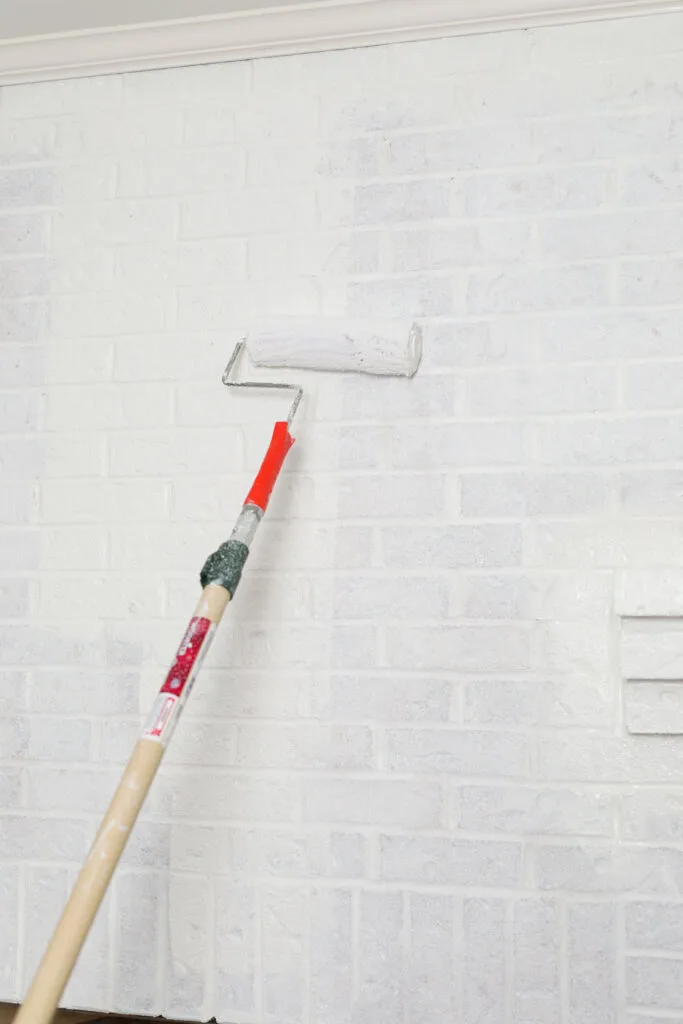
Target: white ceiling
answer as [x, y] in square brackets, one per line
[21, 18]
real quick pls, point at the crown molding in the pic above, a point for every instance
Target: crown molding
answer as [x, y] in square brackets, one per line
[289, 28]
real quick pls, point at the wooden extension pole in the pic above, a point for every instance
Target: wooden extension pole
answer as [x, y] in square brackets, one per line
[219, 577]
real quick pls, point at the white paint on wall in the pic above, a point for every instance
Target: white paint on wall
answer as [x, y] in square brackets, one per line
[404, 786]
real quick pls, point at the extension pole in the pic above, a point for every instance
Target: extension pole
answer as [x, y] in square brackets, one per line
[220, 577]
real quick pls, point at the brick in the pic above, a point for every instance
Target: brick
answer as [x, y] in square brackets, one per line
[372, 802]
[654, 385]
[10, 786]
[451, 547]
[514, 496]
[656, 492]
[69, 790]
[611, 235]
[484, 963]
[23, 278]
[122, 407]
[459, 246]
[23, 321]
[383, 496]
[380, 956]
[9, 931]
[650, 282]
[137, 922]
[654, 982]
[112, 501]
[401, 297]
[23, 234]
[609, 869]
[235, 946]
[432, 985]
[20, 413]
[107, 316]
[584, 701]
[547, 390]
[252, 211]
[36, 838]
[20, 364]
[536, 945]
[331, 955]
[470, 343]
[651, 649]
[535, 811]
[47, 890]
[518, 290]
[304, 745]
[653, 707]
[470, 648]
[172, 453]
[414, 200]
[14, 598]
[285, 931]
[592, 962]
[59, 739]
[651, 816]
[208, 795]
[13, 686]
[381, 699]
[462, 752]
[538, 596]
[653, 182]
[446, 861]
[293, 853]
[605, 758]
[464, 148]
[536, 191]
[461, 444]
[32, 187]
[611, 442]
[420, 397]
[655, 926]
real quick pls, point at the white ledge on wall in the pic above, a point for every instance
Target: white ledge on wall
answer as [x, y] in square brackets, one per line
[286, 28]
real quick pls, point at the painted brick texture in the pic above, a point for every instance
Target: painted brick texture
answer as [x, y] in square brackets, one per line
[423, 776]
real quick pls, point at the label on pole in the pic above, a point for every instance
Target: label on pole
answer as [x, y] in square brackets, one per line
[179, 681]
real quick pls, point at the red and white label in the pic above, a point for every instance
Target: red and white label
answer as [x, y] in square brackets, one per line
[179, 681]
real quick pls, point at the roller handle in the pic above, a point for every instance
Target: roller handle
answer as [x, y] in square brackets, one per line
[263, 484]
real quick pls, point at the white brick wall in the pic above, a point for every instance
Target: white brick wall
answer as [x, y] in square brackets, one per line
[423, 776]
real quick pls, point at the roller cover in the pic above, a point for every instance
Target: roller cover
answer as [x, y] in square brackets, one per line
[391, 347]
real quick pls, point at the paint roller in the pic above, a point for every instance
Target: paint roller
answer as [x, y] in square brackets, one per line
[386, 348]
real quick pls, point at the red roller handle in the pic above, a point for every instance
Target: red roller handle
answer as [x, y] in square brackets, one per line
[261, 489]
